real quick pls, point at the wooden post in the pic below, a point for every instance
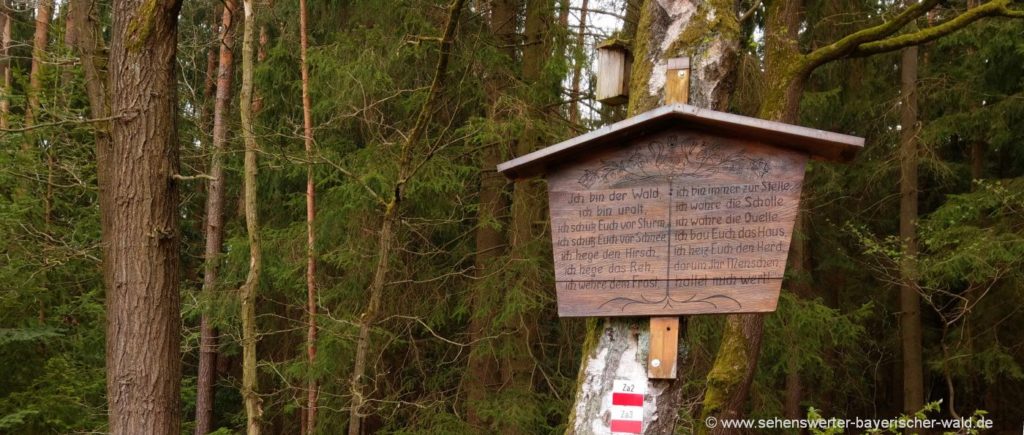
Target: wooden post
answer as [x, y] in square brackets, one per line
[677, 80]
[664, 350]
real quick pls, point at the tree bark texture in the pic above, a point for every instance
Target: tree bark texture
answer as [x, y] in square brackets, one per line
[482, 375]
[207, 375]
[527, 209]
[6, 21]
[140, 225]
[577, 65]
[708, 33]
[90, 47]
[247, 293]
[910, 299]
[44, 12]
[311, 296]
[783, 78]
[385, 240]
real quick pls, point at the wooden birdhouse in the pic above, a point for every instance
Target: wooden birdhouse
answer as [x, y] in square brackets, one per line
[679, 210]
[614, 61]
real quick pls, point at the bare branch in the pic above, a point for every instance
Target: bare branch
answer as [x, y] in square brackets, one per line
[60, 123]
[180, 177]
[750, 12]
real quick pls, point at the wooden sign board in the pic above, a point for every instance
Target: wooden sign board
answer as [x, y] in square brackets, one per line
[676, 211]
[675, 223]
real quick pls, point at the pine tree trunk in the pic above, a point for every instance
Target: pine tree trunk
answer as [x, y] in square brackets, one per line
[91, 49]
[207, 375]
[6, 21]
[247, 293]
[391, 217]
[482, 370]
[44, 11]
[527, 210]
[311, 297]
[577, 67]
[910, 299]
[140, 224]
[978, 150]
[617, 347]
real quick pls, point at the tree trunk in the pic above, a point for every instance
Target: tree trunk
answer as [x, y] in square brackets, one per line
[577, 66]
[527, 209]
[708, 33]
[391, 216]
[311, 297]
[141, 234]
[247, 293]
[6, 21]
[44, 11]
[978, 150]
[482, 369]
[207, 376]
[910, 299]
[732, 373]
[91, 48]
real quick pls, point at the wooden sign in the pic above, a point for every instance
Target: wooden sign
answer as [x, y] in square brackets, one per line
[675, 223]
[658, 218]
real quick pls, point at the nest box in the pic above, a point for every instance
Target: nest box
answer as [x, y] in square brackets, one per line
[679, 210]
[614, 61]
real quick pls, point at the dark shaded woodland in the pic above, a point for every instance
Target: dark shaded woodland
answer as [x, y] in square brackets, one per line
[284, 216]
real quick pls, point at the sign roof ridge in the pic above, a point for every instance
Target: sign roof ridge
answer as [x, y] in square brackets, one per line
[819, 144]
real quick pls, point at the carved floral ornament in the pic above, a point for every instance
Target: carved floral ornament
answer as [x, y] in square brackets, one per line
[691, 157]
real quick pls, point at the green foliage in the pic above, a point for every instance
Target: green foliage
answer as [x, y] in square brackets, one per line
[370, 65]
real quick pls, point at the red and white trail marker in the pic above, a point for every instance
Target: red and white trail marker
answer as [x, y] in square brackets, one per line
[628, 406]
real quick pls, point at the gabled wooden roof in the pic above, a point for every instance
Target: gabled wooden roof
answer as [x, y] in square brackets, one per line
[822, 145]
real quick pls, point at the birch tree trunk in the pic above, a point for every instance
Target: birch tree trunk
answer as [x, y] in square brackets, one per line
[247, 293]
[207, 376]
[311, 297]
[708, 33]
[141, 233]
[732, 373]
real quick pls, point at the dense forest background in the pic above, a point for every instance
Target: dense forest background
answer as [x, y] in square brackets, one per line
[420, 298]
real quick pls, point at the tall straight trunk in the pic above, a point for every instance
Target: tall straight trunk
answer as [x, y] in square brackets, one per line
[207, 376]
[978, 150]
[577, 67]
[6, 21]
[90, 47]
[311, 297]
[44, 11]
[482, 370]
[616, 351]
[910, 299]
[385, 239]
[67, 73]
[141, 233]
[247, 293]
[527, 209]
